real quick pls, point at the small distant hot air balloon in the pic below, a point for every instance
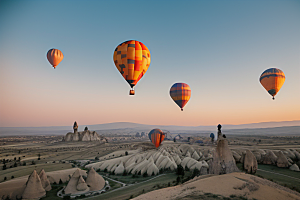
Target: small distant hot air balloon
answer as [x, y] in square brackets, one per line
[181, 94]
[272, 80]
[55, 56]
[132, 59]
[212, 136]
[156, 136]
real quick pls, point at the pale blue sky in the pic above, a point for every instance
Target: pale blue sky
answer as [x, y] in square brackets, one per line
[220, 48]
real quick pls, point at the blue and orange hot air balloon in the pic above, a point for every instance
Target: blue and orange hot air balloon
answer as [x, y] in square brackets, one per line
[55, 56]
[272, 80]
[181, 94]
[156, 136]
[132, 59]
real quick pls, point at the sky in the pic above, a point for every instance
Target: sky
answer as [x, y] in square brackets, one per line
[219, 48]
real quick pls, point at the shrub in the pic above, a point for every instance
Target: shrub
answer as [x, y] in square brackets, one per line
[5, 178]
[126, 153]
[12, 177]
[179, 170]
[60, 181]
[4, 167]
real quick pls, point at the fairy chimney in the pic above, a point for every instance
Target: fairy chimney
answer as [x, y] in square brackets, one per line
[75, 127]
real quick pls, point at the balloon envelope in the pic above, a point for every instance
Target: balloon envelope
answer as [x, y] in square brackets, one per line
[180, 93]
[132, 58]
[272, 80]
[55, 56]
[156, 136]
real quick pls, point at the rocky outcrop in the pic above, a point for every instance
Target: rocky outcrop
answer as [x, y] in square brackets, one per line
[94, 180]
[223, 161]
[81, 185]
[294, 167]
[44, 180]
[282, 160]
[269, 159]
[250, 162]
[236, 157]
[84, 136]
[33, 189]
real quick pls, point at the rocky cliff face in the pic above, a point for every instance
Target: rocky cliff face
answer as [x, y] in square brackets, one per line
[84, 136]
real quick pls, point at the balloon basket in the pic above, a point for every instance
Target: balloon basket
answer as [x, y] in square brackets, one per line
[131, 92]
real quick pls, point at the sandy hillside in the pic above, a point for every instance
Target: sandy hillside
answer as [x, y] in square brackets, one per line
[239, 184]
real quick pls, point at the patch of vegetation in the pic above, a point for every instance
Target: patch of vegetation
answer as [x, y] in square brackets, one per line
[286, 181]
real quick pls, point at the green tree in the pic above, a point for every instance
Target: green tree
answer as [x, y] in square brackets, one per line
[4, 167]
[180, 170]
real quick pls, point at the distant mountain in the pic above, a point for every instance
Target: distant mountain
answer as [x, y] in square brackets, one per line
[134, 127]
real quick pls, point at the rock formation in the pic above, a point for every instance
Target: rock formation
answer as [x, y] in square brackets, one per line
[85, 135]
[236, 157]
[294, 167]
[94, 180]
[223, 161]
[219, 131]
[120, 169]
[270, 158]
[44, 180]
[250, 162]
[81, 185]
[33, 188]
[75, 127]
[282, 160]
[73, 183]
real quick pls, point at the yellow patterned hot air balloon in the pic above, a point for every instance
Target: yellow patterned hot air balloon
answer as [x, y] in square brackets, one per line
[181, 94]
[132, 59]
[272, 80]
[55, 56]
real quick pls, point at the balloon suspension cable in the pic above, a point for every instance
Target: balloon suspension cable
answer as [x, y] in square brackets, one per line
[181, 109]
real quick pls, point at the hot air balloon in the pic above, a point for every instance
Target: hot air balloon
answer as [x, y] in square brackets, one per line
[272, 80]
[132, 59]
[181, 94]
[156, 136]
[55, 56]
